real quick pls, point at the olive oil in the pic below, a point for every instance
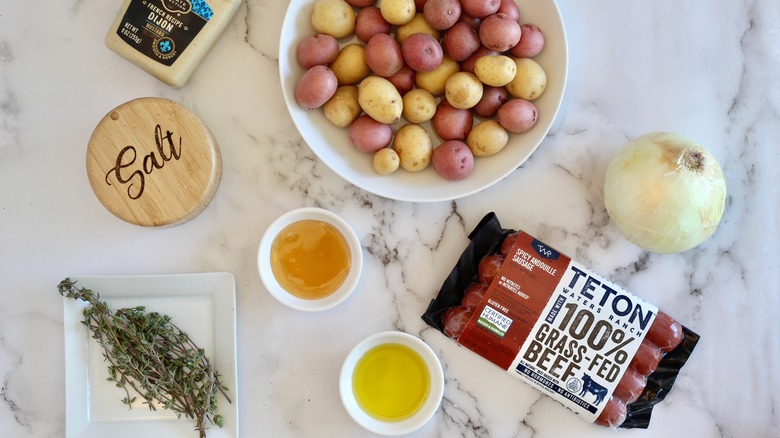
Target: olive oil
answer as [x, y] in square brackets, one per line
[310, 259]
[391, 382]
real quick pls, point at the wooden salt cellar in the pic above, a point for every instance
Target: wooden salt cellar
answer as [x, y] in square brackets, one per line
[152, 162]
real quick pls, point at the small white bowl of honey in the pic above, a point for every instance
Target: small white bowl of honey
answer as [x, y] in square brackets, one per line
[310, 259]
[391, 383]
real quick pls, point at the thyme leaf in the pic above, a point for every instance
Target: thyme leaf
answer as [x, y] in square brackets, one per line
[150, 357]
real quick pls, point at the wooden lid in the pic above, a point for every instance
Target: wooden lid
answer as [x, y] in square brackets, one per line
[152, 162]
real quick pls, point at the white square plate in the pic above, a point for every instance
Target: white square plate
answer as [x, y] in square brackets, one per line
[202, 305]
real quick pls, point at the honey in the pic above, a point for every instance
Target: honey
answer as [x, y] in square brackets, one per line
[391, 382]
[310, 259]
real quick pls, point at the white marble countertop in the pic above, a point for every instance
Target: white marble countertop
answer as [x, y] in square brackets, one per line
[708, 70]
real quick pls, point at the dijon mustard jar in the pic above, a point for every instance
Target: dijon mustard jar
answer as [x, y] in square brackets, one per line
[169, 38]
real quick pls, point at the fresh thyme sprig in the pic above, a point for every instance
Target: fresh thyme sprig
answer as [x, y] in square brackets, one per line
[150, 357]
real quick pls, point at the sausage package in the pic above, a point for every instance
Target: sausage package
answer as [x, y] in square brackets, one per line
[598, 349]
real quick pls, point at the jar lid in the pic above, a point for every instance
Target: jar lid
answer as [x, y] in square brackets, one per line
[152, 162]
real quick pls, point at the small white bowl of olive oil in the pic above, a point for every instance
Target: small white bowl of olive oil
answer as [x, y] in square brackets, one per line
[391, 383]
[310, 259]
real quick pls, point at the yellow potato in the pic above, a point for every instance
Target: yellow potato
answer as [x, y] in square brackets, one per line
[350, 66]
[495, 71]
[333, 17]
[414, 148]
[380, 100]
[397, 12]
[385, 161]
[343, 108]
[418, 24]
[530, 80]
[463, 90]
[434, 81]
[487, 138]
[419, 106]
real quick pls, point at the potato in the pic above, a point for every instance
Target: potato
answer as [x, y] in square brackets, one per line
[383, 55]
[419, 106]
[350, 65]
[360, 3]
[492, 99]
[470, 62]
[317, 49]
[398, 12]
[380, 100]
[343, 108]
[315, 87]
[368, 135]
[473, 22]
[417, 25]
[499, 32]
[480, 8]
[463, 90]
[403, 80]
[453, 160]
[517, 115]
[385, 161]
[421, 52]
[451, 123]
[510, 8]
[531, 42]
[413, 145]
[442, 14]
[487, 138]
[495, 71]
[370, 22]
[530, 80]
[333, 17]
[435, 80]
[460, 42]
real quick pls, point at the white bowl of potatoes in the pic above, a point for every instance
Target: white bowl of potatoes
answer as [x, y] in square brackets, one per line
[349, 107]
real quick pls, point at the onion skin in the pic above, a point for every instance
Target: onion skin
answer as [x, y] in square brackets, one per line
[665, 193]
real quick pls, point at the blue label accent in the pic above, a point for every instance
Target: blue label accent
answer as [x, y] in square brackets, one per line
[545, 251]
[202, 8]
[556, 308]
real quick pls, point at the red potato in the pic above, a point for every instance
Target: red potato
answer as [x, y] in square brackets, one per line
[460, 42]
[614, 413]
[468, 64]
[646, 357]
[473, 295]
[368, 135]
[630, 386]
[492, 99]
[531, 42]
[665, 332]
[480, 8]
[517, 115]
[317, 49]
[453, 160]
[510, 8]
[455, 321]
[499, 32]
[422, 52]
[383, 55]
[360, 3]
[472, 22]
[442, 14]
[508, 243]
[370, 22]
[488, 268]
[451, 123]
[315, 87]
[403, 81]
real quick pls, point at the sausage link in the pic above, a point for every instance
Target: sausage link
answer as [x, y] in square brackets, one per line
[455, 320]
[646, 358]
[630, 386]
[488, 268]
[473, 295]
[665, 332]
[507, 244]
[614, 413]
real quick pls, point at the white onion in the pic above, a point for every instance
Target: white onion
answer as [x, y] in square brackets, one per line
[664, 192]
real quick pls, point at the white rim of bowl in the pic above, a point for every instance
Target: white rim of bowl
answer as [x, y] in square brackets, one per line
[431, 404]
[273, 286]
